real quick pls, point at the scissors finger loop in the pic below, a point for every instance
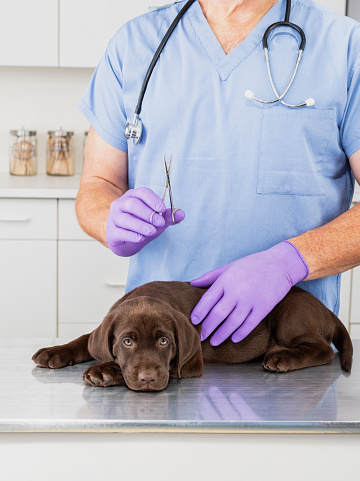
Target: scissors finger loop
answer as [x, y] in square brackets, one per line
[151, 217]
[173, 216]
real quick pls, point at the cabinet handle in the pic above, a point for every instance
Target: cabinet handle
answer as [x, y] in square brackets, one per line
[115, 284]
[19, 219]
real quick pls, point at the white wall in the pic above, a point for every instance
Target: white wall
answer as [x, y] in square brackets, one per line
[42, 99]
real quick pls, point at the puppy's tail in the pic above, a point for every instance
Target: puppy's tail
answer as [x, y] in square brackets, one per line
[343, 344]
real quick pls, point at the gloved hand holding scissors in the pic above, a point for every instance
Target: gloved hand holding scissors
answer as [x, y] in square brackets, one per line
[243, 292]
[138, 217]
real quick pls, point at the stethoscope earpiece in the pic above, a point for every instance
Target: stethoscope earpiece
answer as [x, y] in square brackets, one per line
[249, 94]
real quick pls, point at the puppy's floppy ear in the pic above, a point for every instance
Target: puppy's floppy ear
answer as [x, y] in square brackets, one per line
[189, 354]
[101, 340]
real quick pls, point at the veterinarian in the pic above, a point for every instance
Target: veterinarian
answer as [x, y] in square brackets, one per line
[266, 187]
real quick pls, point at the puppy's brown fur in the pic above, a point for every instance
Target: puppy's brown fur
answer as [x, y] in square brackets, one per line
[147, 337]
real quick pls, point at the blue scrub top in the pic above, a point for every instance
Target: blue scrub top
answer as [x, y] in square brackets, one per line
[247, 175]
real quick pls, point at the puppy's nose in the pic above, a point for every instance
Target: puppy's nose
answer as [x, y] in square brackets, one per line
[146, 377]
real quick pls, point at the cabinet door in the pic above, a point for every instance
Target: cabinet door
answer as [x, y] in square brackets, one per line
[29, 33]
[72, 331]
[91, 279]
[86, 27]
[69, 228]
[355, 331]
[27, 288]
[28, 219]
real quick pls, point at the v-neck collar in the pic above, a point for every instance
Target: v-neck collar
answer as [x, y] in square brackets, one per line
[226, 63]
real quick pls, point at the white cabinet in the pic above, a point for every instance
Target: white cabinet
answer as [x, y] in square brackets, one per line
[70, 33]
[29, 33]
[65, 33]
[86, 26]
[90, 277]
[54, 279]
[28, 288]
[69, 228]
[355, 331]
[28, 267]
[28, 219]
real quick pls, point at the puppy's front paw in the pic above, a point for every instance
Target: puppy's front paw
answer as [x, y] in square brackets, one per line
[104, 375]
[54, 357]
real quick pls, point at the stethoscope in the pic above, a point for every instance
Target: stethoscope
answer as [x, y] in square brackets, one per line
[134, 130]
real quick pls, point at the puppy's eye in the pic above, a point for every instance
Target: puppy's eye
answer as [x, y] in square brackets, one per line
[163, 341]
[127, 342]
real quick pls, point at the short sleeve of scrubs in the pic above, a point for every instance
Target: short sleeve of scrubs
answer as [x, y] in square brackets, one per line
[350, 128]
[102, 101]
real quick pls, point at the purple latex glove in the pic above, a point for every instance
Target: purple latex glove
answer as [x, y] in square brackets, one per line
[245, 291]
[128, 227]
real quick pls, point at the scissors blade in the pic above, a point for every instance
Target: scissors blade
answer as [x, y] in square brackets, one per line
[167, 175]
[168, 185]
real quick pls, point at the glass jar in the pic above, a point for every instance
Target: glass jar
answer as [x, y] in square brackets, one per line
[60, 153]
[84, 145]
[23, 152]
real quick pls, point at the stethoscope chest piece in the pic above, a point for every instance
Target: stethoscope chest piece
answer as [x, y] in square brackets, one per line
[134, 130]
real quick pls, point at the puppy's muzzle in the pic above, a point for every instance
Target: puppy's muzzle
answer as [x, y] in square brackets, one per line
[147, 380]
[147, 377]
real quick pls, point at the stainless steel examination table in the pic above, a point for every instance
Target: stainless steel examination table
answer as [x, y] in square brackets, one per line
[233, 422]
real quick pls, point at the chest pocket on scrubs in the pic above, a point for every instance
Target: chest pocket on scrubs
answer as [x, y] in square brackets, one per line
[293, 145]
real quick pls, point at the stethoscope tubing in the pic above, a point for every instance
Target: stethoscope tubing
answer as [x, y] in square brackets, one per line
[158, 52]
[284, 24]
[134, 130]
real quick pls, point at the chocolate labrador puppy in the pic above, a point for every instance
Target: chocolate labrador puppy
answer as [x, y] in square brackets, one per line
[147, 338]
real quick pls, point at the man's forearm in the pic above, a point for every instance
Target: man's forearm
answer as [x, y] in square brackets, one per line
[332, 248]
[93, 204]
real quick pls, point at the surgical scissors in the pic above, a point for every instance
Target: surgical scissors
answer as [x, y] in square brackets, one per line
[167, 186]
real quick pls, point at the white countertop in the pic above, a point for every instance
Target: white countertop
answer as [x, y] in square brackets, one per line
[39, 186]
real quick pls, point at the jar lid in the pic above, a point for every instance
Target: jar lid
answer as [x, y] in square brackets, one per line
[23, 133]
[60, 133]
